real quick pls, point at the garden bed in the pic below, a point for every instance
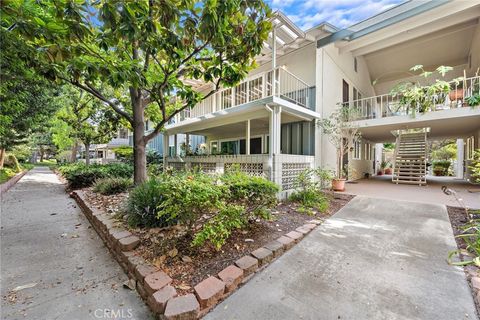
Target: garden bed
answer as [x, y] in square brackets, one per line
[459, 221]
[170, 249]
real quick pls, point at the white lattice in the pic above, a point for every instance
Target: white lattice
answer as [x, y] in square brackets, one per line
[177, 165]
[290, 172]
[253, 169]
[207, 167]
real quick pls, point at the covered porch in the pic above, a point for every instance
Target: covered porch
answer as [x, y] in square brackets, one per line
[271, 137]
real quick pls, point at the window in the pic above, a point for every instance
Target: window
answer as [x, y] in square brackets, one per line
[214, 147]
[357, 147]
[470, 148]
[123, 133]
[345, 89]
[368, 151]
[355, 64]
[229, 147]
[146, 125]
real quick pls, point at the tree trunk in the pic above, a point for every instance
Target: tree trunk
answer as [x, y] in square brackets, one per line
[139, 143]
[2, 157]
[87, 153]
[42, 154]
[73, 157]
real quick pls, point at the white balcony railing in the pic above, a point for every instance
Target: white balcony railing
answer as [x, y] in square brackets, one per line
[277, 82]
[387, 105]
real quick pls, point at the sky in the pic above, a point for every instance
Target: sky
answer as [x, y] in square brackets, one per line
[340, 13]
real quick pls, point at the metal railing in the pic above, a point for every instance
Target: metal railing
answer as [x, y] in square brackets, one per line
[277, 82]
[388, 105]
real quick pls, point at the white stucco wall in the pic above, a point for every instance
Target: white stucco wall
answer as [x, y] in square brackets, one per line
[332, 68]
[474, 54]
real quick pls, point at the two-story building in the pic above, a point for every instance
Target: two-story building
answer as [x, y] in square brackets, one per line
[267, 124]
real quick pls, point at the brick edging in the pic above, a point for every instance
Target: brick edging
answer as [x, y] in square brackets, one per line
[153, 285]
[4, 187]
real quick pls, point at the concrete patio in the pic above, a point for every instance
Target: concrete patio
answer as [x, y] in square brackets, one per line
[382, 187]
[372, 260]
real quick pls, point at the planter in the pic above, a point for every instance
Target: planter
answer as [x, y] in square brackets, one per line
[438, 172]
[338, 184]
[388, 171]
[380, 173]
[456, 94]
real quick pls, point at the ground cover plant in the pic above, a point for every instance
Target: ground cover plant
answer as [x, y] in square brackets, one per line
[112, 185]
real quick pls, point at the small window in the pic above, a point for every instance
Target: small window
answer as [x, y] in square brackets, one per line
[357, 147]
[123, 133]
[146, 125]
[355, 64]
[368, 151]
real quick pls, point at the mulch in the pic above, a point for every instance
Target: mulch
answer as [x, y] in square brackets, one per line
[170, 248]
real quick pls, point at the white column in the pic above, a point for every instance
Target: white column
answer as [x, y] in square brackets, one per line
[165, 150]
[274, 48]
[247, 138]
[275, 139]
[460, 162]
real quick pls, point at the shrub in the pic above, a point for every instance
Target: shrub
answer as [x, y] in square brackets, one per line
[6, 174]
[80, 175]
[440, 167]
[12, 162]
[143, 205]
[154, 169]
[218, 204]
[254, 193]
[475, 167]
[309, 192]
[124, 154]
[109, 186]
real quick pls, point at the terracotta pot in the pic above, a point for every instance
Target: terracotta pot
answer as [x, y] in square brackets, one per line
[338, 184]
[456, 94]
[388, 171]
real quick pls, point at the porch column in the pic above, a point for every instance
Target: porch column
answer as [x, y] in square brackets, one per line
[247, 138]
[175, 143]
[460, 162]
[187, 143]
[165, 150]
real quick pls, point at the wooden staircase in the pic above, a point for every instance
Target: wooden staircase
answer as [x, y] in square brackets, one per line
[410, 165]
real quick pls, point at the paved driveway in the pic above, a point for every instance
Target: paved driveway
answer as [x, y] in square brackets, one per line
[375, 259]
[46, 243]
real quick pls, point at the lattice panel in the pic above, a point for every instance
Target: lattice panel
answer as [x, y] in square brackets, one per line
[207, 167]
[177, 165]
[253, 169]
[290, 172]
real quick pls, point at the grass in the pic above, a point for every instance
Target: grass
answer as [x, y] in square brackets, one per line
[47, 163]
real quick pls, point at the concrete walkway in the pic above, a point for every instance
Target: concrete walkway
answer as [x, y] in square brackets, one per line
[375, 259]
[382, 187]
[48, 245]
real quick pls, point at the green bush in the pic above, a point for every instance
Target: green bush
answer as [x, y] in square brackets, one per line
[12, 162]
[254, 193]
[109, 186]
[218, 204]
[143, 203]
[475, 167]
[124, 154]
[309, 194]
[80, 175]
[6, 174]
[441, 167]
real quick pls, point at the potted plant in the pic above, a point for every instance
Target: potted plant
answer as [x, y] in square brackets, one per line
[341, 132]
[388, 168]
[414, 97]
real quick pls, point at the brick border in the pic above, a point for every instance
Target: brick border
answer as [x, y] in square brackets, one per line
[4, 187]
[153, 285]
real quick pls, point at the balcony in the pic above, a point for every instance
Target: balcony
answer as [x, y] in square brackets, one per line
[387, 105]
[273, 83]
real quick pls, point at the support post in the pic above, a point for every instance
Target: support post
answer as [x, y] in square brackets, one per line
[460, 159]
[247, 138]
[187, 144]
[175, 144]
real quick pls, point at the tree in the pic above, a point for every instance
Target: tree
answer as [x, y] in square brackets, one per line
[88, 119]
[27, 100]
[148, 51]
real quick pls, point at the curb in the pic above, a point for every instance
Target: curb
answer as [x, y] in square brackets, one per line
[153, 285]
[4, 187]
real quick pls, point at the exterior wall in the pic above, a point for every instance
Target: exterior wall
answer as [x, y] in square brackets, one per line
[474, 54]
[300, 62]
[332, 68]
